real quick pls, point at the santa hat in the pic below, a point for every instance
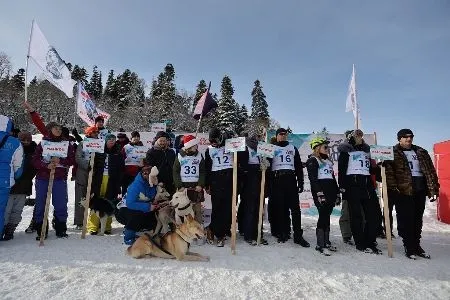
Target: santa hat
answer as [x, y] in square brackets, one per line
[189, 141]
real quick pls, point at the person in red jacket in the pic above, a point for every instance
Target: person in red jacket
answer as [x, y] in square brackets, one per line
[43, 165]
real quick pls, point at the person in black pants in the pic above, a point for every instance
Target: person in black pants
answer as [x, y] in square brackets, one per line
[324, 190]
[356, 184]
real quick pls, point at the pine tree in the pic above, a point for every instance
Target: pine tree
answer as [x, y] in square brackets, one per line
[80, 74]
[163, 93]
[201, 89]
[18, 81]
[111, 86]
[124, 84]
[95, 87]
[260, 115]
[227, 110]
[242, 119]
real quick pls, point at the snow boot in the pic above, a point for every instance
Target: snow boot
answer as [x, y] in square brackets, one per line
[31, 228]
[420, 252]
[8, 231]
[328, 244]
[129, 236]
[38, 227]
[221, 242]
[348, 241]
[60, 228]
[298, 239]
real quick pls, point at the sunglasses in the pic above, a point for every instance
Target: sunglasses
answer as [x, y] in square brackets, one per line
[326, 147]
[408, 136]
[282, 133]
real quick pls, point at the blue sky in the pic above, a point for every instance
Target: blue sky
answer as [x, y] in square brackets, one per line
[301, 51]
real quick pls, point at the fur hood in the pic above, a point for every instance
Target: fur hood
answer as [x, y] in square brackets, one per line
[347, 147]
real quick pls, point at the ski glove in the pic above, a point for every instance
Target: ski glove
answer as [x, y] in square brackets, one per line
[434, 198]
[338, 200]
[321, 198]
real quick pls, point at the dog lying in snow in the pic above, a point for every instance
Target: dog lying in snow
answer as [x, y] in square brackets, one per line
[174, 244]
[182, 204]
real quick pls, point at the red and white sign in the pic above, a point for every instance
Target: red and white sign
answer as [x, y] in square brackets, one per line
[265, 149]
[235, 144]
[158, 127]
[94, 145]
[55, 149]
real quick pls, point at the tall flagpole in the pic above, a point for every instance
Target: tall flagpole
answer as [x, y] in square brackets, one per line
[356, 99]
[26, 64]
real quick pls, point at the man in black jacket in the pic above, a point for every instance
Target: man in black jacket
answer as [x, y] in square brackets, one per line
[163, 157]
[286, 182]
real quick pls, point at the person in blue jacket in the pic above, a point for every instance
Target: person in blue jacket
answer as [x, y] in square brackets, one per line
[11, 164]
[140, 210]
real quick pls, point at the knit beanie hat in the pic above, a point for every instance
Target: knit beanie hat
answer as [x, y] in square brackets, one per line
[404, 132]
[160, 134]
[135, 134]
[90, 130]
[110, 136]
[189, 141]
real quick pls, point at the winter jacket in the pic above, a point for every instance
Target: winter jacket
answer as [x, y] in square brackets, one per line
[346, 181]
[130, 169]
[297, 164]
[163, 159]
[138, 188]
[24, 185]
[11, 155]
[41, 163]
[37, 121]
[116, 168]
[327, 186]
[398, 172]
[177, 172]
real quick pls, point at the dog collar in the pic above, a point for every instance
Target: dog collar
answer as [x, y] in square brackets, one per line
[185, 207]
[183, 236]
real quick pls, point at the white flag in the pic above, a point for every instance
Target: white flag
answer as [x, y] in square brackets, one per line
[49, 61]
[351, 103]
[86, 108]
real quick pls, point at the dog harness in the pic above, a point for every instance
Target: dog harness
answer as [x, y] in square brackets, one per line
[156, 244]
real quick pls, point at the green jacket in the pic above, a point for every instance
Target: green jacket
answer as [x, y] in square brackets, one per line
[177, 176]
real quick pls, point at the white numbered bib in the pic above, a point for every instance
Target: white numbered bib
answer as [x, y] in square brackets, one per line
[358, 163]
[325, 169]
[190, 167]
[105, 170]
[283, 158]
[413, 163]
[220, 159]
[253, 158]
[134, 154]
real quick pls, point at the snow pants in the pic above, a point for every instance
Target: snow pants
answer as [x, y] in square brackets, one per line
[363, 205]
[14, 209]
[4, 196]
[284, 198]
[250, 201]
[344, 221]
[80, 192]
[221, 194]
[59, 199]
[410, 211]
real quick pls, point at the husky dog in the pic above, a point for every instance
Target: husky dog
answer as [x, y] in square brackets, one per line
[182, 204]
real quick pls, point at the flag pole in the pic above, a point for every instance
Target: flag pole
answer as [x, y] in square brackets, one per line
[201, 115]
[76, 100]
[26, 64]
[356, 99]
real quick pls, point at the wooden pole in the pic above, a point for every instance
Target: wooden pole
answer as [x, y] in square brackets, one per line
[387, 221]
[233, 204]
[261, 204]
[88, 195]
[26, 64]
[47, 204]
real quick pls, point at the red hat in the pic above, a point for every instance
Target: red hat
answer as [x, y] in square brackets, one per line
[189, 141]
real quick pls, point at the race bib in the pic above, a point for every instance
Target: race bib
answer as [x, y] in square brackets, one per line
[283, 158]
[190, 167]
[325, 169]
[413, 163]
[220, 159]
[253, 158]
[358, 163]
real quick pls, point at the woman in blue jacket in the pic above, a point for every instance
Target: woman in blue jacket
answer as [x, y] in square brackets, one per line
[140, 211]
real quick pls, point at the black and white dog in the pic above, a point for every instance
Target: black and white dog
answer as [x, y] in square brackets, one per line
[102, 208]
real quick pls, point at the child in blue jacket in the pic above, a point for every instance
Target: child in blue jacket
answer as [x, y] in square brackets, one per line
[140, 211]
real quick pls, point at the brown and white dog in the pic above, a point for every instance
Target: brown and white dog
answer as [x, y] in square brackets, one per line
[174, 244]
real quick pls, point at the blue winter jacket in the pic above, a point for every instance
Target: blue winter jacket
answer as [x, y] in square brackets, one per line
[11, 155]
[138, 186]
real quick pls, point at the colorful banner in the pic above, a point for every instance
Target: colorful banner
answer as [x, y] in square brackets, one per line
[86, 108]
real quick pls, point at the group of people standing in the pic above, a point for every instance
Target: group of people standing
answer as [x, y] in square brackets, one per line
[119, 177]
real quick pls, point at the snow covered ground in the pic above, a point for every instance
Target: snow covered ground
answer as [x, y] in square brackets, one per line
[97, 268]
